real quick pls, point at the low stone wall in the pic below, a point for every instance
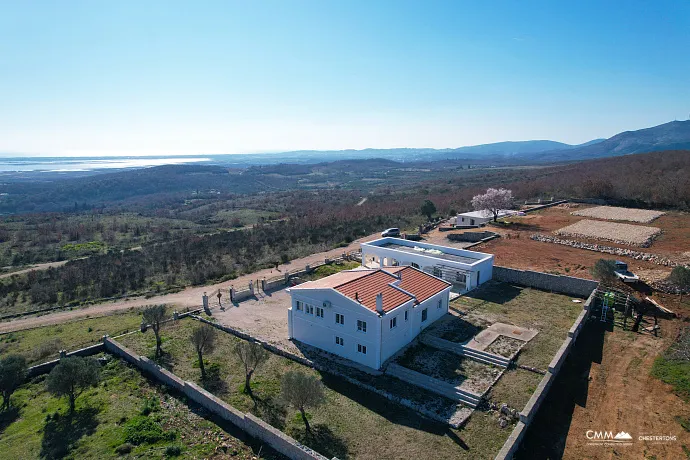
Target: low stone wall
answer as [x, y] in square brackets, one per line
[248, 423]
[547, 205]
[637, 255]
[434, 385]
[569, 285]
[471, 237]
[529, 411]
[44, 368]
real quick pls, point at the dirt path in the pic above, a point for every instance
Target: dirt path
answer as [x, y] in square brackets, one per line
[189, 297]
[605, 385]
[43, 266]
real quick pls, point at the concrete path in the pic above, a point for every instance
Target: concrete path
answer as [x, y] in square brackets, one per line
[491, 333]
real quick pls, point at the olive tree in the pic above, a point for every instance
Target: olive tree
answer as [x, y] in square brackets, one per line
[604, 270]
[204, 341]
[302, 391]
[155, 316]
[72, 376]
[493, 201]
[252, 355]
[428, 209]
[12, 375]
[680, 276]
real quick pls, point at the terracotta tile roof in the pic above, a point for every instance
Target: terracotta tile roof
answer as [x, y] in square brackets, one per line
[416, 282]
[364, 285]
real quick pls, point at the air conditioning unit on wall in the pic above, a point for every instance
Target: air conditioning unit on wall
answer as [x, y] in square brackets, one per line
[327, 304]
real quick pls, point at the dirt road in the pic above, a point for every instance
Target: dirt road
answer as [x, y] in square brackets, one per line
[189, 297]
[44, 266]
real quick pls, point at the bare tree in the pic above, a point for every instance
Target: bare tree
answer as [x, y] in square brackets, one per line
[680, 276]
[155, 315]
[252, 355]
[204, 341]
[302, 391]
[493, 201]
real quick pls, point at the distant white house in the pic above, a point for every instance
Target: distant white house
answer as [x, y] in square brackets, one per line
[479, 218]
[366, 315]
[464, 269]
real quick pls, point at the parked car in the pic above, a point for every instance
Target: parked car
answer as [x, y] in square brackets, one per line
[624, 274]
[394, 232]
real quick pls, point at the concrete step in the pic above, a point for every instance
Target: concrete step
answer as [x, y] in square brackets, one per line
[434, 385]
[485, 357]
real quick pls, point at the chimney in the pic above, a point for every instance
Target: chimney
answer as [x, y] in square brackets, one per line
[357, 296]
[379, 303]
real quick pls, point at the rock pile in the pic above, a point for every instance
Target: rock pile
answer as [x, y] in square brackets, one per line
[637, 255]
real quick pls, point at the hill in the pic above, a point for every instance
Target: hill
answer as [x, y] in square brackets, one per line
[674, 135]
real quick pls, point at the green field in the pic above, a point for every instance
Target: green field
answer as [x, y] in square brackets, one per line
[353, 423]
[43, 344]
[106, 417]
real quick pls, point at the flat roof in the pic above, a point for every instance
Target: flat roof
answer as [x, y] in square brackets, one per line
[486, 213]
[465, 259]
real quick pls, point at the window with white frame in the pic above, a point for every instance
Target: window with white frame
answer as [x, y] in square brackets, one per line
[361, 349]
[309, 309]
[405, 315]
[300, 306]
[424, 314]
[440, 303]
[339, 319]
[339, 341]
[394, 322]
[460, 277]
[361, 326]
[319, 312]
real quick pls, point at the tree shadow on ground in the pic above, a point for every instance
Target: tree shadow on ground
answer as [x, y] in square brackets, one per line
[546, 435]
[165, 360]
[457, 330]
[323, 440]
[8, 417]
[271, 410]
[61, 432]
[495, 292]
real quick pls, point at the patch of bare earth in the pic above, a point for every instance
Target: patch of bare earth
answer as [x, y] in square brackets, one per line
[642, 216]
[636, 235]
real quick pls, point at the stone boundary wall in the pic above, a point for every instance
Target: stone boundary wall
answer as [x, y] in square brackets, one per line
[46, 367]
[569, 285]
[248, 423]
[547, 205]
[527, 414]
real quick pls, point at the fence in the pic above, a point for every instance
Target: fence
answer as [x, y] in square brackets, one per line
[248, 423]
[44, 368]
[527, 415]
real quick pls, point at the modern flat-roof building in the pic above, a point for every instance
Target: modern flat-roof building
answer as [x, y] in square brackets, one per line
[479, 218]
[464, 269]
[366, 315]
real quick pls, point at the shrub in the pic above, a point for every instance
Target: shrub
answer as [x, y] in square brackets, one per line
[150, 405]
[123, 449]
[144, 430]
[173, 451]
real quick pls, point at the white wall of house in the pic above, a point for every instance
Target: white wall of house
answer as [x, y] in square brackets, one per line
[393, 339]
[322, 332]
[381, 341]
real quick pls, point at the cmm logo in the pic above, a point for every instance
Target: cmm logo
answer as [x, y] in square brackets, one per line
[605, 437]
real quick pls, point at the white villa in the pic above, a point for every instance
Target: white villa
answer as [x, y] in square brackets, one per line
[367, 315]
[479, 218]
[460, 267]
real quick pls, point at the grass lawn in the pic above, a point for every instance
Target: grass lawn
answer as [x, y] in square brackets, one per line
[331, 269]
[353, 423]
[41, 427]
[674, 372]
[515, 387]
[42, 344]
[551, 314]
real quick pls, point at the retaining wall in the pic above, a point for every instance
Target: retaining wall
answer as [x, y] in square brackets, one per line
[529, 411]
[248, 423]
[569, 285]
[435, 385]
[471, 237]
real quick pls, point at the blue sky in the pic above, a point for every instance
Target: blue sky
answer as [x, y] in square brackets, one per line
[96, 77]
